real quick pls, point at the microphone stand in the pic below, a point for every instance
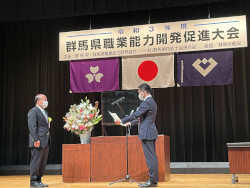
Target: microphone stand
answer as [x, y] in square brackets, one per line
[127, 178]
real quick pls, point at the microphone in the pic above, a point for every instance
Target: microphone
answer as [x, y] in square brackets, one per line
[119, 100]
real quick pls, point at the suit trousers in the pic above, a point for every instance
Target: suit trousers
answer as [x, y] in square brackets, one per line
[38, 162]
[151, 159]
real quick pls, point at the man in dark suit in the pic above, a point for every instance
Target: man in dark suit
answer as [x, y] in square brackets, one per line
[38, 124]
[147, 132]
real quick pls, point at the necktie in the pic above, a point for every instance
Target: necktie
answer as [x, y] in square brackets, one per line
[45, 115]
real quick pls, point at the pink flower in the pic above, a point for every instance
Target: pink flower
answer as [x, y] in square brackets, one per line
[81, 127]
[91, 116]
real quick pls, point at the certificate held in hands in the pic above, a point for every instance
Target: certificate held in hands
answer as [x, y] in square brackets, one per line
[115, 116]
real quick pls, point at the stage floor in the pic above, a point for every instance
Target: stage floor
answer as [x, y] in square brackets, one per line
[177, 180]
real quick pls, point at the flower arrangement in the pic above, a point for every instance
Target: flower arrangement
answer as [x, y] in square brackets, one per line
[82, 117]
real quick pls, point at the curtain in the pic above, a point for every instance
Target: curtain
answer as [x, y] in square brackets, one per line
[13, 10]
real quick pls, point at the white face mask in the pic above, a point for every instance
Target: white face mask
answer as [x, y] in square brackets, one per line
[140, 96]
[45, 104]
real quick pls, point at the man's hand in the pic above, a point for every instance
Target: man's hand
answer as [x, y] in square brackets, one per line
[118, 122]
[37, 144]
[127, 124]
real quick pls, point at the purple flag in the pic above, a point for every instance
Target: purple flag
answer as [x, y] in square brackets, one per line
[206, 68]
[94, 75]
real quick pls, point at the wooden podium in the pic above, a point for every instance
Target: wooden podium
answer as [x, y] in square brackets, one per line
[76, 163]
[239, 159]
[106, 160]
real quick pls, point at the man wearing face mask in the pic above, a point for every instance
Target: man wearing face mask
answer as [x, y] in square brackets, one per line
[147, 132]
[39, 136]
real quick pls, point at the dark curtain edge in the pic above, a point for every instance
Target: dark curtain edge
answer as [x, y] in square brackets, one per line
[11, 11]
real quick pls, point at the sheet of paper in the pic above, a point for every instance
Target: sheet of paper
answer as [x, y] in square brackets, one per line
[115, 116]
[132, 111]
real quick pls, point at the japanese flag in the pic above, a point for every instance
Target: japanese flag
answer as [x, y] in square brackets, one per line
[157, 71]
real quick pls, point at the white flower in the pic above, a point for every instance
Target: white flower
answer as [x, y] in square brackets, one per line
[85, 112]
[90, 107]
[82, 105]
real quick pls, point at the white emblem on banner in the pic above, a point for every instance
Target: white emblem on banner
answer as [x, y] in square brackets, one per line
[93, 76]
[200, 69]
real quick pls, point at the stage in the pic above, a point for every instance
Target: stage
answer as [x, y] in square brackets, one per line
[177, 180]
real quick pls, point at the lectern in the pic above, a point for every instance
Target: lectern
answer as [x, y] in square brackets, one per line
[239, 159]
[76, 163]
[104, 160]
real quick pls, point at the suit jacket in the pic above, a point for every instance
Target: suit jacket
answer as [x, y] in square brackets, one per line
[147, 114]
[38, 127]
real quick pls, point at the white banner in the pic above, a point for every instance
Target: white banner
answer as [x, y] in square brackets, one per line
[194, 35]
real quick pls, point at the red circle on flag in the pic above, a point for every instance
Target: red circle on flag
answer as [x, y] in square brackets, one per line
[147, 70]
